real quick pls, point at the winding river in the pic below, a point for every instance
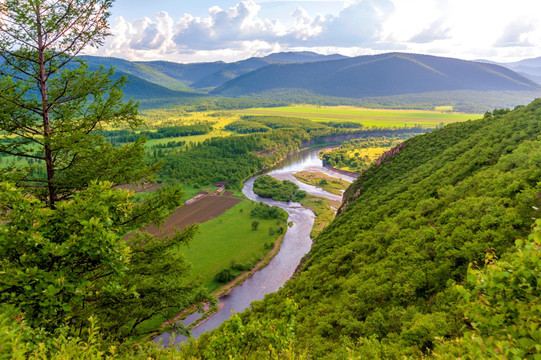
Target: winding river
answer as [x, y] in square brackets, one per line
[295, 245]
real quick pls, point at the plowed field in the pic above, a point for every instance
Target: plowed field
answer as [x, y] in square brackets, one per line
[199, 212]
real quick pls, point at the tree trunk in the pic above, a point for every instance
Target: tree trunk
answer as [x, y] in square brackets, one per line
[45, 115]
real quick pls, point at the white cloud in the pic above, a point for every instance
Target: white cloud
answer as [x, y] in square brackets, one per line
[225, 28]
[435, 31]
[458, 28]
[516, 34]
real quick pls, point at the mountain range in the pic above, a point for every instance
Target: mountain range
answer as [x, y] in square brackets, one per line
[323, 75]
[531, 68]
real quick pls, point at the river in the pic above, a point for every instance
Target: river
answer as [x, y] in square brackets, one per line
[295, 245]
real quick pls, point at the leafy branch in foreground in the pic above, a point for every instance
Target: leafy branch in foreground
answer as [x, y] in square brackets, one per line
[62, 266]
[51, 103]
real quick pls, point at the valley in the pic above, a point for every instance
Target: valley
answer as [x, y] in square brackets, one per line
[207, 186]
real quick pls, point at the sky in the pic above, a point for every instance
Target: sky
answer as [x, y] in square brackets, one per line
[230, 30]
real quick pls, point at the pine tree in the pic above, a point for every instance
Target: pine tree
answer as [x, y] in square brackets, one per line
[51, 103]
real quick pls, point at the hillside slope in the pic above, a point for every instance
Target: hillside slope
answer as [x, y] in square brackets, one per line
[379, 75]
[384, 270]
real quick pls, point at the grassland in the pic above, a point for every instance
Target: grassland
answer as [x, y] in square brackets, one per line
[176, 116]
[367, 117]
[227, 238]
[328, 183]
[324, 209]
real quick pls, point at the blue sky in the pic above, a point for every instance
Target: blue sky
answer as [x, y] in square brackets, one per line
[230, 30]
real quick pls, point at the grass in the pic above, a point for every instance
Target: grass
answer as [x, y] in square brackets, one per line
[330, 184]
[176, 116]
[367, 117]
[228, 238]
[324, 209]
[220, 241]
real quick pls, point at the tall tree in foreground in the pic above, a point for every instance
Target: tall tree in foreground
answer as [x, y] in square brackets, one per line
[63, 252]
[51, 103]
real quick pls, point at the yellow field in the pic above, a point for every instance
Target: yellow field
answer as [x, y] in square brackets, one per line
[367, 117]
[174, 117]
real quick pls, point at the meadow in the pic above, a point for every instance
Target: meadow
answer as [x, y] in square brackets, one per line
[379, 118]
[224, 242]
[228, 239]
[368, 117]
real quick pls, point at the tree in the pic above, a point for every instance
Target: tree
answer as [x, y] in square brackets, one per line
[51, 103]
[60, 267]
[64, 255]
[255, 225]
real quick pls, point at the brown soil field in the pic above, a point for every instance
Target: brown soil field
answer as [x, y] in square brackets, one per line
[139, 187]
[200, 211]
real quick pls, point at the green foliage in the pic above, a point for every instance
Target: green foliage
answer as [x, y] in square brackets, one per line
[233, 159]
[238, 339]
[299, 195]
[269, 187]
[52, 102]
[246, 127]
[264, 211]
[384, 270]
[255, 225]
[126, 136]
[62, 266]
[278, 122]
[502, 307]
[224, 276]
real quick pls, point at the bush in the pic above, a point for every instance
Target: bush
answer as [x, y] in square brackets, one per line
[299, 195]
[224, 276]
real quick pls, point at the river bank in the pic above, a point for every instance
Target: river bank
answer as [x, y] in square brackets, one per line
[296, 243]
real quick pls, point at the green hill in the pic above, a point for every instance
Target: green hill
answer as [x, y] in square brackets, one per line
[379, 75]
[236, 69]
[379, 282]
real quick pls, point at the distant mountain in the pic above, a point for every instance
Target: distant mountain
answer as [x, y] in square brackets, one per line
[302, 57]
[171, 75]
[379, 75]
[230, 71]
[366, 76]
[201, 76]
[236, 69]
[531, 68]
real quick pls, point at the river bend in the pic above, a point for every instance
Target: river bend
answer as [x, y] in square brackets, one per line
[295, 245]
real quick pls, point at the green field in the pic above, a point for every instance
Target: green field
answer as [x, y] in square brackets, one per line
[226, 238]
[367, 117]
[177, 116]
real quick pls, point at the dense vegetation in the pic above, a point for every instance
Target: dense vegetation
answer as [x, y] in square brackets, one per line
[501, 302]
[385, 270]
[264, 211]
[233, 158]
[128, 136]
[422, 260]
[269, 187]
[246, 127]
[357, 155]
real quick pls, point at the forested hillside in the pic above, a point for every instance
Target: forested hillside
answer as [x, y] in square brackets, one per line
[385, 270]
[423, 261]
[379, 75]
